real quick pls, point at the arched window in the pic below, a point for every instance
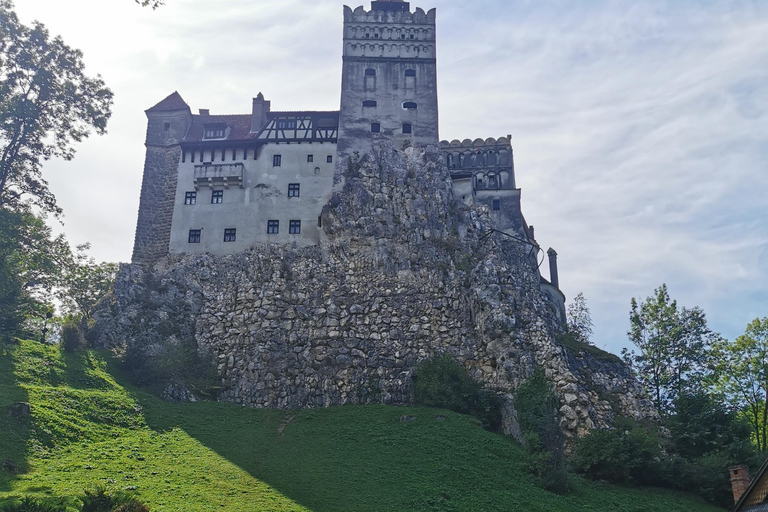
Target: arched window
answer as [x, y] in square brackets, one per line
[449, 161]
[491, 158]
[480, 160]
[410, 105]
[370, 72]
[369, 103]
[410, 72]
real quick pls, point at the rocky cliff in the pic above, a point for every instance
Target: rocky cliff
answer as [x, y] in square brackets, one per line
[403, 272]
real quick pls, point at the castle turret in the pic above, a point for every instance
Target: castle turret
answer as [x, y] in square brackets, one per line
[389, 77]
[167, 125]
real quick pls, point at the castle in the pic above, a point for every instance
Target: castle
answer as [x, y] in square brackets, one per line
[221, 184]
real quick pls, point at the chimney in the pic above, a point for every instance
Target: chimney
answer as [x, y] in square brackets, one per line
[553, 268]
[261, 108]
[739, 481]
[205, 112]
[531, 232]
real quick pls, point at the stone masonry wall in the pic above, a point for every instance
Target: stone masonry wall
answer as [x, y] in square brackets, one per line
[158, 190]
[403, 272]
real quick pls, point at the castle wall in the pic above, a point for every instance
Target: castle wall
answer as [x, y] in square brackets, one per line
[389, 59]
[263, 196]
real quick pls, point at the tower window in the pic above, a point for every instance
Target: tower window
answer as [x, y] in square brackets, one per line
[294, 228]
[310, 158]
[217, 197]
[293, 190]
[277, 160]
[367, 35]
[410, 105]
[407, 128]
[370, 72]
[402, 36]
[190, 197]
[369, 103]
[329, 159]
[167, 127]
[376, 127]
[413, 36]
[496, 204]
[230, 235]
[273, 227]
[194, 236]
[410, 72]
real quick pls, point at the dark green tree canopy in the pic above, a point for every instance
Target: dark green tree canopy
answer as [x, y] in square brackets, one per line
[47, 104]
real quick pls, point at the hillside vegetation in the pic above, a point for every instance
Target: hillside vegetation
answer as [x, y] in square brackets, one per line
[86, 428]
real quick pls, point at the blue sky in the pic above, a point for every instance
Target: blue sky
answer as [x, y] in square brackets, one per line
[640, 128]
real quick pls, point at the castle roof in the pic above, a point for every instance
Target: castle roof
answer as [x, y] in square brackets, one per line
[240, 124]
[170, 104]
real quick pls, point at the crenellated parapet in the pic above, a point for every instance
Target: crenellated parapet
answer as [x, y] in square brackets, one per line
[418, 17]
[489, 162]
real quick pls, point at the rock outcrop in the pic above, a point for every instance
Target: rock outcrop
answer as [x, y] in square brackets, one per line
[403, 272]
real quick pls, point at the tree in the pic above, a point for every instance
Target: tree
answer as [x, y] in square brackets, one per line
[674, 347]
[743, 376]
[579, 320]
[154, 4]
[84, 282]
[46, 105]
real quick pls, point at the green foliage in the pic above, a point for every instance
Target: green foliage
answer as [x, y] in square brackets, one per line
[537, 408]
[579, 320]
[567, 340]
[208, 456]
[46, 105]
[674, 347]
[444, 383]
[34, 504]
[742, 375]
[84, 282]
[71, 337]
[626, 454]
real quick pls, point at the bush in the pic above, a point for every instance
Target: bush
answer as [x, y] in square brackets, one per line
[537, 408]
[626, 454]
[71, 337]
[442, 382]
[101, 500]
[32, 504]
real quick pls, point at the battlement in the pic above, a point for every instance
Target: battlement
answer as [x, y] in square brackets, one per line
[476, 144]
[417, 17]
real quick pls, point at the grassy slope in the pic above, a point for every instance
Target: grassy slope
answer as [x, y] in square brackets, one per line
[88, 429]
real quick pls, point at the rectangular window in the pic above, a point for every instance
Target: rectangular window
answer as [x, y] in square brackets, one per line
[293, 190]
[217, 197]
[194, 236]
[277, 160]
[286, 124]
[329, 159]
[406, 127]
[496, 204]
[167, 127]
[230, 235]
[190, 198]
[310, 158]
[319, 221]
[214, 133]
[375, 127]
[294, 227]
[273, 227]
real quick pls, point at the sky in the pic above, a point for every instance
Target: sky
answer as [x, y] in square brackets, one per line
[640, 128]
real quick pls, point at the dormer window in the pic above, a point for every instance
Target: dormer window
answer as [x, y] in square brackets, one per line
[215, 131]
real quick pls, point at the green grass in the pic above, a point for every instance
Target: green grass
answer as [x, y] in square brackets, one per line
[87, 428]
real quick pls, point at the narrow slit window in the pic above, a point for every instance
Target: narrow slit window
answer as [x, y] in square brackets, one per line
[194, 236]
[230, 235]
[190, 198]
[273, 227]
[319, 221]
[294, 228]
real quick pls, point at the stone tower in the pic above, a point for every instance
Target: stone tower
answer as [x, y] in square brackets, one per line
[167, 124]
[389, 77]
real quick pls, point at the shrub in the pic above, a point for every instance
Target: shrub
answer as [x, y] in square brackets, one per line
[33, 504]
[442, 382]
[626, 454]
[71, 337]
[537, 411]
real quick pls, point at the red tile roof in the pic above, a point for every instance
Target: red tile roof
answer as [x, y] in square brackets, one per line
[239, 124]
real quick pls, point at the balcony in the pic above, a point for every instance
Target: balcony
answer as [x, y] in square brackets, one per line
[219, 175]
